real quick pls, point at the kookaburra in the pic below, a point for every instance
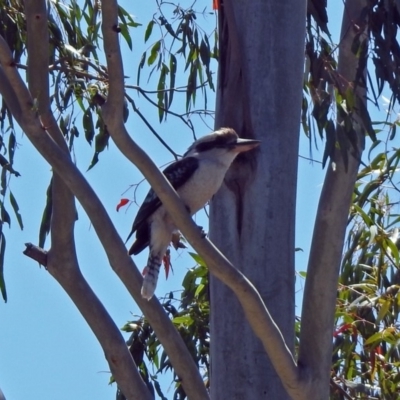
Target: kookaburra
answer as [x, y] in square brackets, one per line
[196, 177]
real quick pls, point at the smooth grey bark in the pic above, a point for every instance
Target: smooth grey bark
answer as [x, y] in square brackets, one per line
[252, 216]
[320, 290]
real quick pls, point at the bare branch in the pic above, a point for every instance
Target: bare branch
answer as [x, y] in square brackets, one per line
[65, 269]
[61, 260]
[38, 53]
[256, 312]
[166, 110]
[179, 89]
[36, 253]
[112, 114]
[64, 214]
[330, 227]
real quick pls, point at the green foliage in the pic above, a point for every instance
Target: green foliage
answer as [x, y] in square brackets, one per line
[2, 252]
[384, 20]
[11, 20]
[15, 207]
[181, 38]
[7, 171]
[366, 338]
[366, 357]
[327, 96]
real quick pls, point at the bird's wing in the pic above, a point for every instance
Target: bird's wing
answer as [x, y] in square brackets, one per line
[177, 174]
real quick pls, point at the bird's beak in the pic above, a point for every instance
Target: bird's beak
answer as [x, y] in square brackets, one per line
[243, 145]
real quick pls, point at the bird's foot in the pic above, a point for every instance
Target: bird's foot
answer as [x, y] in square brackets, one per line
[176, 241]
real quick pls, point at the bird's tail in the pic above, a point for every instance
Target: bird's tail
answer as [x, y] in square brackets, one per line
[151, 276]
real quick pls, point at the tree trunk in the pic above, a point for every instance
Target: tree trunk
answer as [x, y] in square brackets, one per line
[252, 218]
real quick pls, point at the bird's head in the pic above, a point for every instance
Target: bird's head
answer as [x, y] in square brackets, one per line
[224, 143]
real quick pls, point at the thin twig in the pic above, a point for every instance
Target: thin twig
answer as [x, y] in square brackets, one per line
[179, 89]
[186, 122]
[153, 131]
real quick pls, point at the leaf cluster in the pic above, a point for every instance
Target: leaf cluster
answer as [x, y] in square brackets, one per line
[384, 22]
[366, 356]
[328, 97]
[180, 38]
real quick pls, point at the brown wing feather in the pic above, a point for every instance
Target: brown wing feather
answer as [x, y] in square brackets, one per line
[177, 174]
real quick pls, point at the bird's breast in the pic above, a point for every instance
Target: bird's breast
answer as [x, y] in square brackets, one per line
[206, 181]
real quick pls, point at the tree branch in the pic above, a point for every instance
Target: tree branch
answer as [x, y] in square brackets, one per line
[38, 53]
[64, 213]
[112, 113]
[67, 273]
[36, 253]
[330, 228]
[254, 308]
[61, 260]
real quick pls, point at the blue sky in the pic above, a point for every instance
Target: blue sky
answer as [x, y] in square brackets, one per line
[47, 351]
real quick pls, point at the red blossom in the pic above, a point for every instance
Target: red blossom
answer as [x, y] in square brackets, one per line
[123, 202]
[167, 263]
